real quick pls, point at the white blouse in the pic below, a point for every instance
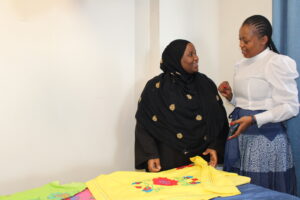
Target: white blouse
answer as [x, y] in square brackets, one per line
[267, 82]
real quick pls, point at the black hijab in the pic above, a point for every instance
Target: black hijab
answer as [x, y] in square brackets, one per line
[180, 109]
[171, 59]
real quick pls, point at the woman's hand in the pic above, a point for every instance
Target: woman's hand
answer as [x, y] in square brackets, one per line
[213, 158]
[154, 165]
[225, 90]
[244, 122]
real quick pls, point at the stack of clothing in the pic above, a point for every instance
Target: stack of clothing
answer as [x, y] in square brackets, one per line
[193, 182]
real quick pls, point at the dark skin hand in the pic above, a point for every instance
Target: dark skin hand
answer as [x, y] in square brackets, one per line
[154, 164]
[213, 158]
[244, 122]
[225, 90]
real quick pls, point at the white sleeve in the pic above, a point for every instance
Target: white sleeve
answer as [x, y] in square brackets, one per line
[281, 73]
[233, 101]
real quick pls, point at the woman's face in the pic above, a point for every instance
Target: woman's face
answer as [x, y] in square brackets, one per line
[189, 59]
[250, 43]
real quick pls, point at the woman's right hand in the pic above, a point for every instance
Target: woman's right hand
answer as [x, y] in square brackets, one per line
[154, 165]
[225, 90]
[244, 123]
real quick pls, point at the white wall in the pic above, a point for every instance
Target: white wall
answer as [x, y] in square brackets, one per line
[196, 21]
[71, 72]
[67, 78]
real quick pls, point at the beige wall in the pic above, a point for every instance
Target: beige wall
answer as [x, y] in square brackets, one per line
[71, 73]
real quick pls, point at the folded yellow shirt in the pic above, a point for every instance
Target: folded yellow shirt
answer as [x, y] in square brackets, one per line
[192, 182]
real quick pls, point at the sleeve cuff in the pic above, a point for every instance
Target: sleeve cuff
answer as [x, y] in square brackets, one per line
[263, 118]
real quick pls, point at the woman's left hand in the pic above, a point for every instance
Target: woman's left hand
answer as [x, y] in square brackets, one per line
[213, 158]
[244, 122]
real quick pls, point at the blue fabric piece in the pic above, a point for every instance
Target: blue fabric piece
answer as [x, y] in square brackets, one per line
[286, 27]
[286, 31]
[285, 181]
[254, 192]
[232, 154]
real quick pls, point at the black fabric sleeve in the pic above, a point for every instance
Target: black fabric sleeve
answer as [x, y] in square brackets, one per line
[145, 147]
[219, 143]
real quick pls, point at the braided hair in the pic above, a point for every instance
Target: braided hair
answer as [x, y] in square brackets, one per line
[263, 27]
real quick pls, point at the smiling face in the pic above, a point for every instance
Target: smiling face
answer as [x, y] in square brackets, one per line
[251, 43]
[189, 59]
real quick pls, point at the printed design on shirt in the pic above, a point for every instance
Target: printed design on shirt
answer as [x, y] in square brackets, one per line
[159, 183]
[164, 181]
[73, 198]
[81, 198]
[58, 196]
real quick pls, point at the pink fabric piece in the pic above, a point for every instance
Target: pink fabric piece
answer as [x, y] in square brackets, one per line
[84, 195]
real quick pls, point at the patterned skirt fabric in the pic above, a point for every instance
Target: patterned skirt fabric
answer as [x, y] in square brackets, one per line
[264, 154]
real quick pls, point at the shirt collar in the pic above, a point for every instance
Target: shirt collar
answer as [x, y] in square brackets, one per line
[258, 56]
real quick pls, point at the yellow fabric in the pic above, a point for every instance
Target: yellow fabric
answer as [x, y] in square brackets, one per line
[193, 182]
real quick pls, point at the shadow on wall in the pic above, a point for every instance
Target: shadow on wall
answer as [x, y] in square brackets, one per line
[124, 152]
[125, 131]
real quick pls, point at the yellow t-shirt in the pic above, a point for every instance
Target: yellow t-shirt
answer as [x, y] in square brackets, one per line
[192, 182]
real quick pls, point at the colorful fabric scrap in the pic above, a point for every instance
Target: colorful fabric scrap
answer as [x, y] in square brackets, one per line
[84, 195]
[51, 191]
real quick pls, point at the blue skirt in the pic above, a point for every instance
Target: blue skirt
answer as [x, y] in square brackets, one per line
[263, 154]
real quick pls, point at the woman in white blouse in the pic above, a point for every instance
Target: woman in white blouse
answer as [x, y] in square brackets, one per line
[265, 96]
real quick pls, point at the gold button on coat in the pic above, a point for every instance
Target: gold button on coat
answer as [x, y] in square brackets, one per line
[154, 118]
[157, 85]
[189, 96]
[205, 138]
[179, 135]
[217, 97]
[198, 117]
[172, 107]
[140, 99]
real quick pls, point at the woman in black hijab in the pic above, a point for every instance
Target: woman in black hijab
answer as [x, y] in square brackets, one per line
[180, 114]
